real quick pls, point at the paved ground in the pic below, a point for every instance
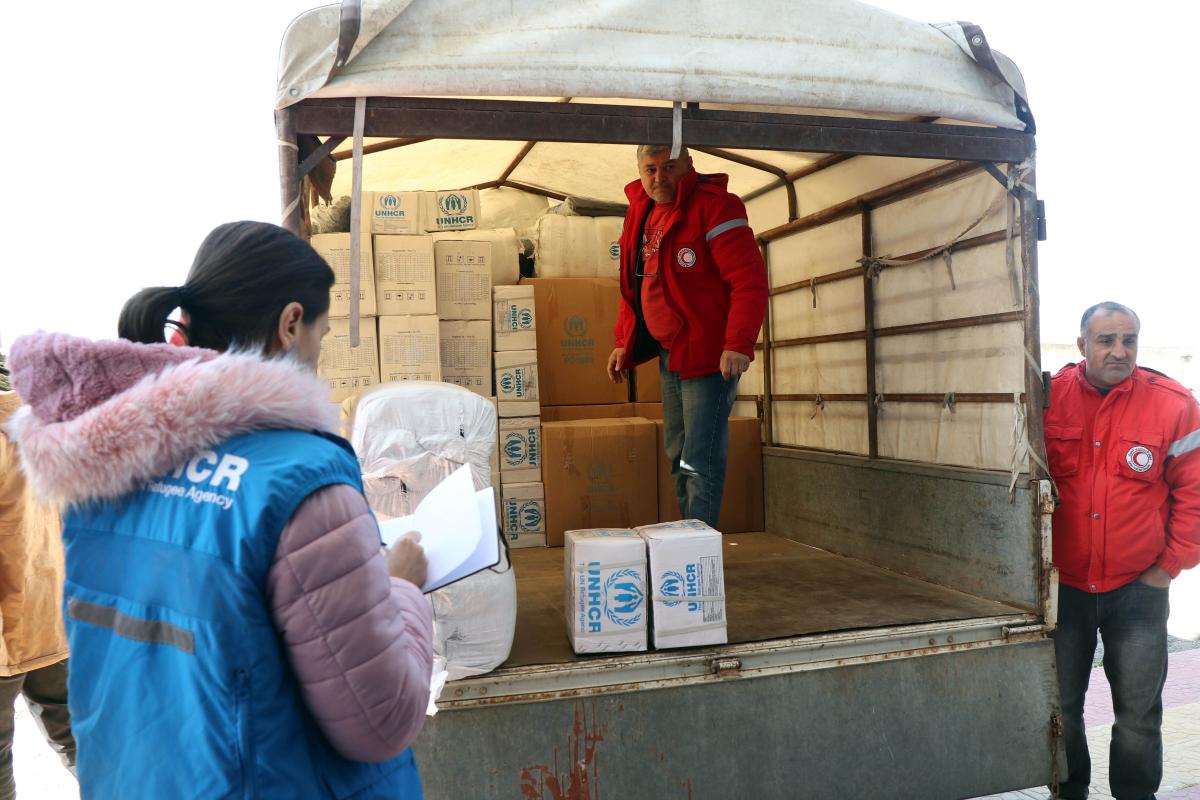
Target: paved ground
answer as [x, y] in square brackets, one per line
[40, 776]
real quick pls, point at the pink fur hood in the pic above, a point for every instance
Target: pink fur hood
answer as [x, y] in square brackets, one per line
[102, 418]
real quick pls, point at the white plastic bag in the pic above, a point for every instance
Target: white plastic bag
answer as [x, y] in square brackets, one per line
[409, 436]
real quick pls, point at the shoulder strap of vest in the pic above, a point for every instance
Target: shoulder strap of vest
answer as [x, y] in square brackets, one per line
[338, 440]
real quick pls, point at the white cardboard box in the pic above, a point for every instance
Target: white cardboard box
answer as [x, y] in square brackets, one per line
[408, 349]
[686, 563]
[513, 318]
[520, 450]
[464, 279]
[517, 383]
[405, 282]
[605, 576]
[394, 212]
[523, 514]
[348, 370]
[451, 211]
[466, 352]
[335, 249]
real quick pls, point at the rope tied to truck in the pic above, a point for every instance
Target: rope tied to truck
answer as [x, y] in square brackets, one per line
[1016, 181]
[1021, 448]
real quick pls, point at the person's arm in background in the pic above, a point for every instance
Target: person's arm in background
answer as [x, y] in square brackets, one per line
[1182, 474]
[359, 640]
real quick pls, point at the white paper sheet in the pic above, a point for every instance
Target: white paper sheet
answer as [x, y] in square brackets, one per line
[457, 526]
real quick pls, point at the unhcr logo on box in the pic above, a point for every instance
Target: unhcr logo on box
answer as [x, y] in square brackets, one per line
[516, 449]
[614, 251]
[618, 599]
[675, 585]
[623, 597]
[519, 319]
[453, 209]
[389, 207]
[522, 448]
[577, 346]
[513, 382]
[524, 517]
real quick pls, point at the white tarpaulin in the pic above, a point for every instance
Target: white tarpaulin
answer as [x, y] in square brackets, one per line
[836, 55]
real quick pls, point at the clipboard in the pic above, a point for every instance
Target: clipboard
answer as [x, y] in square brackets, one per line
[458, 530]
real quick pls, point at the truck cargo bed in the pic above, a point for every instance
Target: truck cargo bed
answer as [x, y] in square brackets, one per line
[775, 588]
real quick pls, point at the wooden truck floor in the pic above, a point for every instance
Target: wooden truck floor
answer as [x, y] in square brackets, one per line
[775, 588]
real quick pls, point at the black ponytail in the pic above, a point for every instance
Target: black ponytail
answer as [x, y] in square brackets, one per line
[145, 315]
[243, 276]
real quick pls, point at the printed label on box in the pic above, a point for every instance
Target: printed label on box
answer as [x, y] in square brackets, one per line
[395, 212]
[450, 211]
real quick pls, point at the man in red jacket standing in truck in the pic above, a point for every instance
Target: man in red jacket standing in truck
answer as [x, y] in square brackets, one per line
[1124, 449]
[693, 295]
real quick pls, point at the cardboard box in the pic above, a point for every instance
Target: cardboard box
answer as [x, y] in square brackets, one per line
[520, 450]
[599, 474]
[394, 212]
[605, 575]
[466, 354]
[686, 563]
[507, 250]
[523, 514]
[335, 249]
[514, 318]
[647, 383]
[408, 349]
[450, 211]
[404, 276]
[464, 279]
[517, 383]
[742, 500]
[575, 319]
[567, 413]
[348, 370]
[648, 410]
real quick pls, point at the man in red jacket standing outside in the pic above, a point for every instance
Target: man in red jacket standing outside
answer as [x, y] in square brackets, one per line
[1124, 450]
[693, 295]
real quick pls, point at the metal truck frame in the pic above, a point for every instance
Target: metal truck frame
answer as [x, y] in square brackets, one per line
[937, 710]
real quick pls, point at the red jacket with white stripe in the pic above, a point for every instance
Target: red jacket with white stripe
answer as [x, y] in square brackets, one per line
[713, 274]
[1128, 479]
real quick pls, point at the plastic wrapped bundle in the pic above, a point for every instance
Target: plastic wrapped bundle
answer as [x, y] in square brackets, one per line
[409, 436]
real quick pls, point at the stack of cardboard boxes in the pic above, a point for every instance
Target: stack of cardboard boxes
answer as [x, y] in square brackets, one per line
[600, 462]
[523, 499]
[576, 451]
[424, 305]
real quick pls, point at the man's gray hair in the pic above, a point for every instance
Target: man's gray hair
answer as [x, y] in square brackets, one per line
[654, 149]
[1109, 306]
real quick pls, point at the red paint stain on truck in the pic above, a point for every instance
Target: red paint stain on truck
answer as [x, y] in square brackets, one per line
[581, 780]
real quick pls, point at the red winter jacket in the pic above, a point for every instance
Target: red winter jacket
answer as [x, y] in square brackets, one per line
[713, 277]
[1128, 480]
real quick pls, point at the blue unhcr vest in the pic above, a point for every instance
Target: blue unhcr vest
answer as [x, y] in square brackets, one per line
[179, 684]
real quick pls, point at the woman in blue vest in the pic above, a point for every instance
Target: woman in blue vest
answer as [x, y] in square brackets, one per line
[236, 628]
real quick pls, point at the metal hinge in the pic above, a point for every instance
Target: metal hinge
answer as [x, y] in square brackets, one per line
[1025, 631]
[725, 667]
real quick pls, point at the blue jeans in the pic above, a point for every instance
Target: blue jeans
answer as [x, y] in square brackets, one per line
[1132, 621]
[696, 433]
